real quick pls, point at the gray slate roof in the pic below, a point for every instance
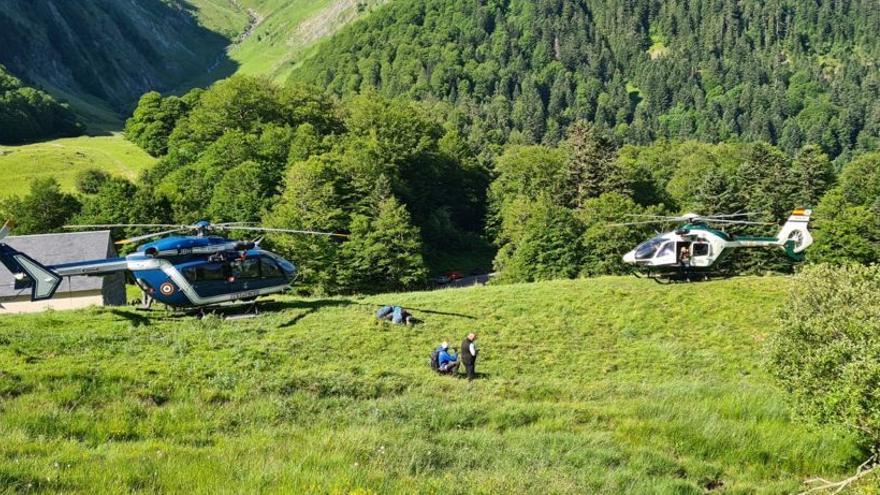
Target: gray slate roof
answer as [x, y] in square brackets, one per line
[55, 249]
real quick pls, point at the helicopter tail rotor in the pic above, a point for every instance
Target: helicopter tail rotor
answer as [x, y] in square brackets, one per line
[795, 237]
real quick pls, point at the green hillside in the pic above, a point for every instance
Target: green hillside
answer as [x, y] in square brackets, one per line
[271, 37]
[101, 55]
[28, 114]
[64, 158]
[607, 385]
[780, 71]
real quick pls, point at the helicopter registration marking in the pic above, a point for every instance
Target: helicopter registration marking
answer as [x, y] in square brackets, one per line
[246, 295]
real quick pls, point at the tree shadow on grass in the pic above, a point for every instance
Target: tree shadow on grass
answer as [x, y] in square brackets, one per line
[135, 319]
[433, 312]
[309, 307]
[313, 306]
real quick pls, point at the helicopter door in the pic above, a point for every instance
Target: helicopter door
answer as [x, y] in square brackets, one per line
[701, 254]
[254, 273]
[683, 253]
[208, 279]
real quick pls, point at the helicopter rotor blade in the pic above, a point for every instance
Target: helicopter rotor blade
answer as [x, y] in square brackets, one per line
[132, 240]
[124, 225]
[649, 222]
[283, 231]
[663, 217]
[738, 222]
[232, 224]
[733, 215]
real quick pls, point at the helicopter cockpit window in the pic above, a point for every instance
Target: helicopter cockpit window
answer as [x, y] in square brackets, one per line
[270, 268]
[647, 249]
[248, 268]
[204, 273]
[667, 249]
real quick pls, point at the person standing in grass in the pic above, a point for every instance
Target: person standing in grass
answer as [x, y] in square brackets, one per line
[469, 354]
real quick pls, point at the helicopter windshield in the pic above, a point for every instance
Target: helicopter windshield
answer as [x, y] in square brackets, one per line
[647, 249]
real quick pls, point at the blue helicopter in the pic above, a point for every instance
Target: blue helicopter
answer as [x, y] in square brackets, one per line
[188, 272]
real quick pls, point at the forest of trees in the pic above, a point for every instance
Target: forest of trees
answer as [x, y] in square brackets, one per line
[785, 72]
[28, 114]
[405, 188]
[409, 189]
[433, 129]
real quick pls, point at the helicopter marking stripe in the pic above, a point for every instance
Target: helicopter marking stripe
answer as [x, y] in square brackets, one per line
[90, 267]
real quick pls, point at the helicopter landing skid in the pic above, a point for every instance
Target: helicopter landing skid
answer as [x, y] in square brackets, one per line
[231, 312]
[667, 277]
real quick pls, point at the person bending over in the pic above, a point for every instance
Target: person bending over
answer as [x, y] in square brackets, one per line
[448, 362]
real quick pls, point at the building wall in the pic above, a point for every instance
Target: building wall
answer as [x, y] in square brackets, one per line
[59, 303]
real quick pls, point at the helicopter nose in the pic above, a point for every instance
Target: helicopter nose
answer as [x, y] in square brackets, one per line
[289, 268]
[630, 257]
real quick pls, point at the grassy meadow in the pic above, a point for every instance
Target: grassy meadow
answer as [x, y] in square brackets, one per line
[608, 385]
[64, 158]
[285, 32]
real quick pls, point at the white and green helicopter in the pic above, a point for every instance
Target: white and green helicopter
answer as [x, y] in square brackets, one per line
[691, 250]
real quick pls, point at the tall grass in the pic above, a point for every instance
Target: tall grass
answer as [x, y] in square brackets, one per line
[607, 385]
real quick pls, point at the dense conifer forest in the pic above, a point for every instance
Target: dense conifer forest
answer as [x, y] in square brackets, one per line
[780, 71]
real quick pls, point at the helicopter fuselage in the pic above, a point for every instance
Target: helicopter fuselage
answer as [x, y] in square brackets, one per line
[696, 246]
[690, 246]
[186, 272]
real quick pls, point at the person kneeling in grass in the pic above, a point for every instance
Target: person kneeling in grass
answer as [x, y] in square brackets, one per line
[448, 362]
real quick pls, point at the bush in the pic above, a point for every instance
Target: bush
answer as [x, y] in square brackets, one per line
[827, 353]
[90, 180]
[46, 208]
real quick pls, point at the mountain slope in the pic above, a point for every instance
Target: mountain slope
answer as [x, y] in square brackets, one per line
[101, 55]
[606, 385]
[28, 114]
[781, 71]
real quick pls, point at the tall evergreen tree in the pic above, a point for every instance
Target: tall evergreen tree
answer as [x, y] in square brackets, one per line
[383, 253]
[591, 168]
[813, 174]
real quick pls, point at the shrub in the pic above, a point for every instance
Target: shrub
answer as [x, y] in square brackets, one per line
[827, 353]
[90, 180]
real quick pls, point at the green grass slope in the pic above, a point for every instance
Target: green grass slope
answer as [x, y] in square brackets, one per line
[289, 29]
[607, 385]
[272, 37]
[64, 158]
